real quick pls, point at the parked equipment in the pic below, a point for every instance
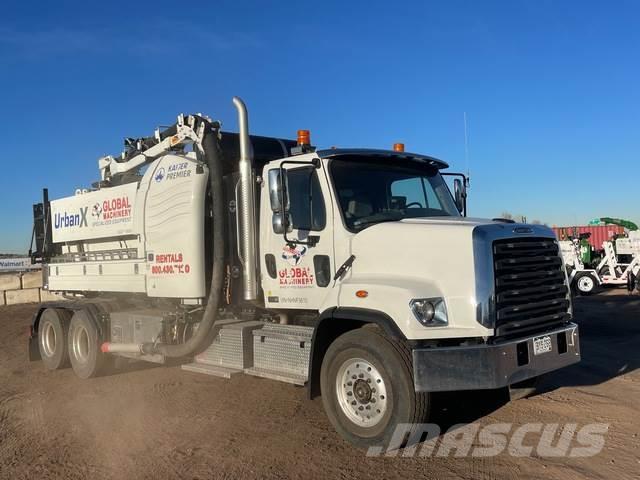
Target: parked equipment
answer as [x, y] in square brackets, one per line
[351, 271]
[609, 271]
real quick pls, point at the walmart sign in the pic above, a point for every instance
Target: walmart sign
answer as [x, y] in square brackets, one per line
[16, 264]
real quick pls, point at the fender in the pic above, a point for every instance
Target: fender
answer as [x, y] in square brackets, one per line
[95, 312]
[332, 323]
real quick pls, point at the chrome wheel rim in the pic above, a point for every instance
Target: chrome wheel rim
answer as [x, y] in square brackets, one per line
[48, 339]
[361, 392]
[585, 284]
[80, 344]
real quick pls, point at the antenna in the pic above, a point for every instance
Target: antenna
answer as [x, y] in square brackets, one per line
[466, 143]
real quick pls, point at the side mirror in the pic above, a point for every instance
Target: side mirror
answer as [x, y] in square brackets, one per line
[279, 199]
[278, 190]
[282, 223]
[460, 194]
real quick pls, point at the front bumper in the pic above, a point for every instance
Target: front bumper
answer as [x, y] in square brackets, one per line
[497, 365]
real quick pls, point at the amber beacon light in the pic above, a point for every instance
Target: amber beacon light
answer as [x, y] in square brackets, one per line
[398, 147]
[304, 137]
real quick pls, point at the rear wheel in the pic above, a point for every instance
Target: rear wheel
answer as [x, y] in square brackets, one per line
[84, 350]
[585, 283]
[367, 388]
[52, 338]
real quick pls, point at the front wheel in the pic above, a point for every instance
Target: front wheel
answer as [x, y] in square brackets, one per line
[367, 388]
[585, 283]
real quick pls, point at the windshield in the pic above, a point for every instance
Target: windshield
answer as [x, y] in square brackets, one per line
[375, 190]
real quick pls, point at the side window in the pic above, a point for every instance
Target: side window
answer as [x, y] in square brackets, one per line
[305, 199]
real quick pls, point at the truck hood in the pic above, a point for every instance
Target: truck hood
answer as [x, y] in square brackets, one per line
[437, 257]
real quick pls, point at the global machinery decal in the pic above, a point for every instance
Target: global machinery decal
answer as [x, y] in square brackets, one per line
[114, 210]
[295, 276]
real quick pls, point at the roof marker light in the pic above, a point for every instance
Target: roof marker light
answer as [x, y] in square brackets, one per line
[398, 147]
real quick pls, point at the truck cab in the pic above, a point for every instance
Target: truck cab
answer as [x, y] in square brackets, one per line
[354, 272]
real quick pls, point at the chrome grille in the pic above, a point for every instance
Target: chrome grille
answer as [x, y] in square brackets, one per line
[530, 285]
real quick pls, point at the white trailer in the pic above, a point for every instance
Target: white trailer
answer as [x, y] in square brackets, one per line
[609, 271]
[352, 271]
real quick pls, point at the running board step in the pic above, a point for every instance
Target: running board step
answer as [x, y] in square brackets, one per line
[279, 376]
[214, 370]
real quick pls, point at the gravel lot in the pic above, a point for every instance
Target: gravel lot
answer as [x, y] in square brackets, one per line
[156, 422]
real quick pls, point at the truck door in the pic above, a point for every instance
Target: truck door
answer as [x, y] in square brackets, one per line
[297, 271]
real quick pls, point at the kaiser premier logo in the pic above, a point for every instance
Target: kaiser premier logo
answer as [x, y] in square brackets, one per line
[159, 175]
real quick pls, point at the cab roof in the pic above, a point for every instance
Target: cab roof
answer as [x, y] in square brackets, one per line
[369, 152]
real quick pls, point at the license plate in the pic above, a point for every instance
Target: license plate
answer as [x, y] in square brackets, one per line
[541, 345]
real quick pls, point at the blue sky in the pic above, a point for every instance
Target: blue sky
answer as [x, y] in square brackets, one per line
[551, 90]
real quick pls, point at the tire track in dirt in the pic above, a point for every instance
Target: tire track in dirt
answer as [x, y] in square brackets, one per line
[167, 423]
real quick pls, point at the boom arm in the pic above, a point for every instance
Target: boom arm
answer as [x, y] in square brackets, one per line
[186, 131]
[618, 221]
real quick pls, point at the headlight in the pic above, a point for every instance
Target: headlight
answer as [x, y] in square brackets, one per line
[430, 312]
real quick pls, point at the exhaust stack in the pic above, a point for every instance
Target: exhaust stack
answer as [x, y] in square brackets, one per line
[246, 206]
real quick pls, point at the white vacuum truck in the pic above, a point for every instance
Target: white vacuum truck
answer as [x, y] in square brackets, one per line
[351, 271]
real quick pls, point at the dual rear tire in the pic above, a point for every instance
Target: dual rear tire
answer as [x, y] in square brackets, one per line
[70, 340]
[52, 338]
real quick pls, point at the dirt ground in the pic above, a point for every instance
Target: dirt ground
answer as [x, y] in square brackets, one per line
[166, 423]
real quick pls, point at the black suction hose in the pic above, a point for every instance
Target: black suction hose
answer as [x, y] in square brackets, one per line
[205, 331]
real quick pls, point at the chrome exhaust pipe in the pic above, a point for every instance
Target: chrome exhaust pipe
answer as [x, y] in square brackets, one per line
[246, 207]
[133, 348]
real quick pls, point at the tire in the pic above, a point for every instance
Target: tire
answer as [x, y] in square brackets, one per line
[585, 283]
[523, 389]
[52, 338]
[86, 358]
[631, 282]
[375, 360]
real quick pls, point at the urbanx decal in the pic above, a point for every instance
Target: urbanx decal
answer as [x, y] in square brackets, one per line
[293, 254]
[65, 220]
